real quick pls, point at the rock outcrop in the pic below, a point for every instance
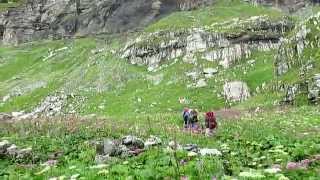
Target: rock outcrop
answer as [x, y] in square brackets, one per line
[39, 19]
[298, 55]
[224, 42]
[289, 5]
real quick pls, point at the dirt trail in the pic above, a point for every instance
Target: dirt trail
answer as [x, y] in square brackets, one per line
[229, 113]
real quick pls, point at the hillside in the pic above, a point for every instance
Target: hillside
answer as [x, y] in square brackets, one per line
[256, 66]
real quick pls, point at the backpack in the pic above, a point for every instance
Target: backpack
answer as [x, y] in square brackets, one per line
[211, 121]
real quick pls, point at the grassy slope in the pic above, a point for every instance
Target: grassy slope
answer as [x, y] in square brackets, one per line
[223, 10]
[253, 142]
[11, 4]
[106, 80]
[117, 85]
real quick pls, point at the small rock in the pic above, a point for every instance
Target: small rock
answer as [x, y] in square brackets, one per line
[99, 147]
[152, 141]
[12, 150]
[108, 146]
[24, 153]
[4, 145]
[210, 152]
[120, 150]
[125, 163]
[201, 83]
[191, 147]
[251, 61]
[133, 141]
[210, 71]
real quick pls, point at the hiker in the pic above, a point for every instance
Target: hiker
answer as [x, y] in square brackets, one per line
[185, 116]
[190, 117]
[211, 123]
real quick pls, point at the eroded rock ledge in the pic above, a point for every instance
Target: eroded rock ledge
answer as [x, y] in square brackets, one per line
[237, 39]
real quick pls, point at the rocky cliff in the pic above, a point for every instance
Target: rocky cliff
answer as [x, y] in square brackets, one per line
[297, 63]
[38, 19]
[224, 43]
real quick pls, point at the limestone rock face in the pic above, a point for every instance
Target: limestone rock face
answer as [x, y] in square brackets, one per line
[314, 90]
[298, 53]
[255, 33]
[38, 19]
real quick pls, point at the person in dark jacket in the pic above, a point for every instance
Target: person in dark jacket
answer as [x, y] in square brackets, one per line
[190, 118]
[185, 116]
[210, 123]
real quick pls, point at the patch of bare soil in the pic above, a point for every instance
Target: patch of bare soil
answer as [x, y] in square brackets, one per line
[229, 113]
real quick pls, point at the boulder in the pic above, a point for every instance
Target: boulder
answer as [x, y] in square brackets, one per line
[236, 91]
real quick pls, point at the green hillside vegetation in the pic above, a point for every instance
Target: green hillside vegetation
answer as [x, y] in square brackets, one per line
[221, 11]
[7, 4]
[113, 98]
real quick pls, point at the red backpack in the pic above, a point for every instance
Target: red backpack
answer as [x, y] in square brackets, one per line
[211, 121]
